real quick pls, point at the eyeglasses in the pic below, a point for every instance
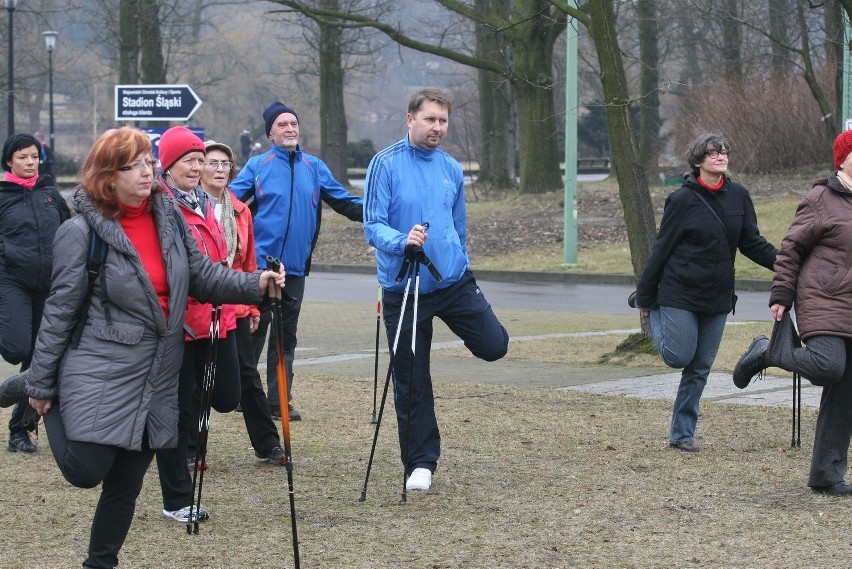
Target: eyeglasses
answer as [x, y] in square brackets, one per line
[715, 153]
[147, 163]
[215, 164]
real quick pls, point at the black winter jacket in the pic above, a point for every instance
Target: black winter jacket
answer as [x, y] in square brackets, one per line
[691, 265]
[28, 221]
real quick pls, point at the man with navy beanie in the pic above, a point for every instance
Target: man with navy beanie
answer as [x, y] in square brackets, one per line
[285, 188]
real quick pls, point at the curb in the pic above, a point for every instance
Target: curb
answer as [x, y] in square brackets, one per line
[754, 285]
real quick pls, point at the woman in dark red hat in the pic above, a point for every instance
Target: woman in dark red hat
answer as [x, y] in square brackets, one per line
[814, 271]
[182, 159]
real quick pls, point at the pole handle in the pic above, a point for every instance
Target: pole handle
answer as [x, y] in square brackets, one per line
[273, 264]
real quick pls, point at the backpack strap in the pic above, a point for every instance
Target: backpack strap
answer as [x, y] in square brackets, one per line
[95, 259]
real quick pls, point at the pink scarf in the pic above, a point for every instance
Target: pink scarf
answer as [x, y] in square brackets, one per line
[28, 183]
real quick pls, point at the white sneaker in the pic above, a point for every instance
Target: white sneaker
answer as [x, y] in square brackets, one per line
[420, 479]
[182, 515]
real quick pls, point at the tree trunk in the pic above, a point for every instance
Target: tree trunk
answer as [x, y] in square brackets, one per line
[834, 31]
[152, 64]
[540, 171]
[629, 170]
[733, 39]
[333, 127]
[128, 52]
[495, 165]
[532, 54]
[779, 11]
[649, 81]
[810, 75]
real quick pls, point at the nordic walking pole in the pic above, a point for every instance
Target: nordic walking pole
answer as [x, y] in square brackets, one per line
[796, 437]
[207, 383]
[373, 421]
[405, 268]
[416, 269]
[274, 264]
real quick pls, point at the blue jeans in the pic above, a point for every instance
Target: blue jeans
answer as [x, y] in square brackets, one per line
[688, 340]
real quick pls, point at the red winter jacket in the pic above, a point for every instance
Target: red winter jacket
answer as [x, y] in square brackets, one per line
[211, 242]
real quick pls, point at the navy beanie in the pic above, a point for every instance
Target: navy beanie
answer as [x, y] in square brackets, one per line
[272, 111]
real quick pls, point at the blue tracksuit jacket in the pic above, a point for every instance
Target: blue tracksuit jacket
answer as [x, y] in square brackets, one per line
[405, 186]
[289, 188]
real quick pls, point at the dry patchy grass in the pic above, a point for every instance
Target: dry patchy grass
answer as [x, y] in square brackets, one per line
[528, 479]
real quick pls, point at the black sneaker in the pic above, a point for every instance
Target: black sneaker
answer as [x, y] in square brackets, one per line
[295, 415]
[277, 455]
[751, 363]
[20, 442]
[192, 466]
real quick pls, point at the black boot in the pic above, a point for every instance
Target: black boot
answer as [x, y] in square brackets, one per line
[12, 390]
[752, 362]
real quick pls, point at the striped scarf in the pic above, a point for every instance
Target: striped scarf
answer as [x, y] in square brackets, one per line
[229, 224]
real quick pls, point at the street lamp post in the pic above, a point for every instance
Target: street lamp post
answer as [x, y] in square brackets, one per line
[50, 43]
[10, 106]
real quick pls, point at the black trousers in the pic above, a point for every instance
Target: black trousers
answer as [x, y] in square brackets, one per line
[465, 311]
[261, 429]
[20, 317]
[290, 309]
[175, 481]
[121, 471]
[830, 459]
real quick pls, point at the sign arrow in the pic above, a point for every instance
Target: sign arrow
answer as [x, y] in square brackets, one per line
[155, 102]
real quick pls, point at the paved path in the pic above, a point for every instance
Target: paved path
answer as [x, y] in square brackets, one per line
[359, 290]
[338, 326]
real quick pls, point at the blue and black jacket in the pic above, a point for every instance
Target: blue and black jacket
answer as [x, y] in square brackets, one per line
[288, 188]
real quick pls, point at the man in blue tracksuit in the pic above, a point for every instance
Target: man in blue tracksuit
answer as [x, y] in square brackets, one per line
[285, 188]
[414, 198]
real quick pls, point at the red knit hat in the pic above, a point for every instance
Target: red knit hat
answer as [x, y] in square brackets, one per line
[177, 142]
[842, 147]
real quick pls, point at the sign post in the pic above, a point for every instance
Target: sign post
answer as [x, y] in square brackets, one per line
[155, 102]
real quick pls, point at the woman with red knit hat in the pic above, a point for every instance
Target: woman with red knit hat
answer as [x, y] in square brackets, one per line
[814, 271]
[182, 159]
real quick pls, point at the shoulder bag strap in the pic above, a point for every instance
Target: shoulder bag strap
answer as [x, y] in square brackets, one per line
[727, 241]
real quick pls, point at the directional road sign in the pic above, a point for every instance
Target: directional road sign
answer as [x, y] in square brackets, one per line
[155, 102]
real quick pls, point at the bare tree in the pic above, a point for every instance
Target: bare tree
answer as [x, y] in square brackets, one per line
[128, 41]
[496, 160]
[649, 81]
[732, 45]
[531, 32]
[597, 16]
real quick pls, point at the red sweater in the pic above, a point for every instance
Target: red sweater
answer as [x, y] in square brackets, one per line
[139, 226]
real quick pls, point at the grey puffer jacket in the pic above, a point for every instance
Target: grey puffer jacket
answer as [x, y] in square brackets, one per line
[814, 265]
[122, 378]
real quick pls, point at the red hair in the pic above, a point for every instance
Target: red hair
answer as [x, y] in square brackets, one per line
[114, 148]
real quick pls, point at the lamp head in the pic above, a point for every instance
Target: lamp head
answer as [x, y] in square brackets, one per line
[50, 39]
